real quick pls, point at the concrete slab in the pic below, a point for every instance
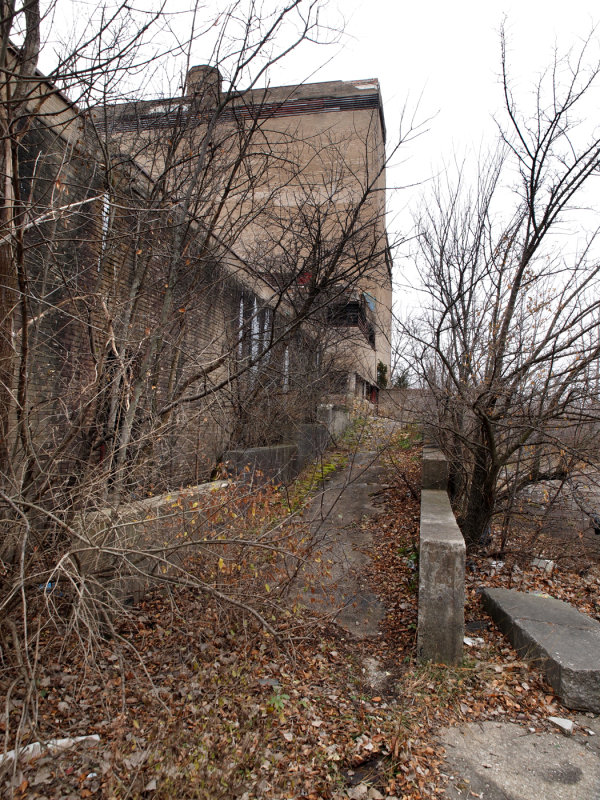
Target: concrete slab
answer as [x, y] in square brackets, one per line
[505, 761]
[335, 519]
[441, 626]
[563, 642]
[338, 585]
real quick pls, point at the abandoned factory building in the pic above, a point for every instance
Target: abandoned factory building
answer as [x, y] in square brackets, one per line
[203, 272]
[309, 164]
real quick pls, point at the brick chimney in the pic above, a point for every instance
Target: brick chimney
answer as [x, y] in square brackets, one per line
[204, 83]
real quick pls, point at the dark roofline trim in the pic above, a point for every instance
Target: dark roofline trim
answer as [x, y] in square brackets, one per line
[285, 108]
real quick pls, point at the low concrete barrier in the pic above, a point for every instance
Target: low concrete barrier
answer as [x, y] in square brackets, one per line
[311, 441]
[435, 469]
[441, 620]
[561, 641]
[119, 549]
[280, 462]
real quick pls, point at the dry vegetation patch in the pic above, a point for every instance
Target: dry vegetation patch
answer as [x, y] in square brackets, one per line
[191, 698]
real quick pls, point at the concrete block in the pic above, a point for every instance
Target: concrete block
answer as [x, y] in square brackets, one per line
[335, 418]
[564, 643]
[275, 462]
[435, 469]
[312, 441]
[441, 621]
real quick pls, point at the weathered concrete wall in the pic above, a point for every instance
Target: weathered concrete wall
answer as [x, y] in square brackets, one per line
[281, 462]
[311, 441]
[297, 122]
[335, 418]
[404, 405]
[121, 549]
[276, 462]
[442, 552]
[435, 469]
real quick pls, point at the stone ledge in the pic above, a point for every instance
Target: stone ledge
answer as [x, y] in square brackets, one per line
[564, 643]
[435, 469]
[442, 553]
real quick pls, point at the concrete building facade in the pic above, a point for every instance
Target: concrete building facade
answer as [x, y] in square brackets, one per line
[201, 273]
[308, 214]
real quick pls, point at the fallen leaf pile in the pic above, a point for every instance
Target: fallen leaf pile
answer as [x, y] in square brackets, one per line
[191, 699]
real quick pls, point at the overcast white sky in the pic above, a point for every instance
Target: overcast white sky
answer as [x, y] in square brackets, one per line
[441, 59]
[445, 57]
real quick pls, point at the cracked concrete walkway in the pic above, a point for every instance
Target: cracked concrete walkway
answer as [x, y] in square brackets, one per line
[506, 761]
[488, 760]
[337, 518]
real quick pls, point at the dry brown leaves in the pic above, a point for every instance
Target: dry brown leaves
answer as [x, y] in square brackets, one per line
[192, 701]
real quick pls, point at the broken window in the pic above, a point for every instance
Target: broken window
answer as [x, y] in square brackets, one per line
[105, 222]
[286, 369]
[254, 333]
[353, 314]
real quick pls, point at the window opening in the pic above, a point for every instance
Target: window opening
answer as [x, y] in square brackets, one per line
[286, 369]
[255, 345]
[105, 213]
[241, 327]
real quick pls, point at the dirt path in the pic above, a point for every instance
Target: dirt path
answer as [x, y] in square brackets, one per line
[491, 760]
[339, 523]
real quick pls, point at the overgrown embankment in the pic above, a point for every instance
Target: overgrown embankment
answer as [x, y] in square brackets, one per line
[192, 698]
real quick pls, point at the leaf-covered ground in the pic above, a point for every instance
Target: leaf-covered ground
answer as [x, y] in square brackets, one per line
[194, 700]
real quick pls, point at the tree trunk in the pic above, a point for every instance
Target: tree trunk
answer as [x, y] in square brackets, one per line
[8, 301]
[480, 500]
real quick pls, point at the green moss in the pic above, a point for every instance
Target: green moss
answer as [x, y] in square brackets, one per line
[314, 477]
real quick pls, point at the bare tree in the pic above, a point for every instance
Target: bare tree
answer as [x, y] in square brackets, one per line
[181, 276]
[508, 342]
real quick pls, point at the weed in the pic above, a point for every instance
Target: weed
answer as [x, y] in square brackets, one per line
[278, 700]
[314, 477]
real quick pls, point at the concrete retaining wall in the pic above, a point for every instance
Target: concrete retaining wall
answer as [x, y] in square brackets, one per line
[408, 406]
[112, 545]
[282, 462]
[442, 551]
[311, 441]
[273, 463]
